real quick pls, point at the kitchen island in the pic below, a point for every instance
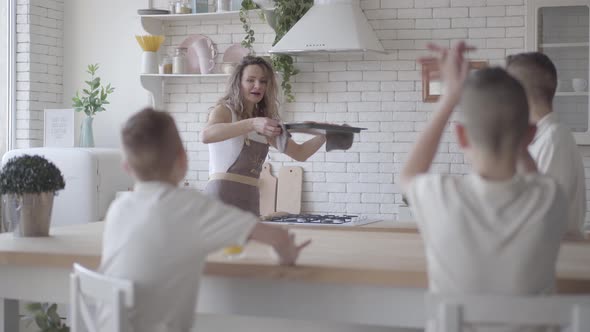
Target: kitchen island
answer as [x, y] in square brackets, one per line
[345, 275]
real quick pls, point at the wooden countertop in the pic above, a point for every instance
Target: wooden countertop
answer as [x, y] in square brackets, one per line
[336, 256]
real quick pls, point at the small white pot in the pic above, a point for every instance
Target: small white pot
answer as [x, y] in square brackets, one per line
[149, 63]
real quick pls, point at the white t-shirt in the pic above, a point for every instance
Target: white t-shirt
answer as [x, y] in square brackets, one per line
[489, 237]
[159, 236]
[556, 153]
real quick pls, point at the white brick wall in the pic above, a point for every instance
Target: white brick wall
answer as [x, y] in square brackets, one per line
[39, 66]
[378, 92]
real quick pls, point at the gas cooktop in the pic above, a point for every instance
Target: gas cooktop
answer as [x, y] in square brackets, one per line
[321, 219]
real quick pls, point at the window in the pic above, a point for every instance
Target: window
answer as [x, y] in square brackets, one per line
[7, 20]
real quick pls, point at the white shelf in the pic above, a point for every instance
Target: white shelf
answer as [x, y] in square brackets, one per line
[153, 23]
[571, 94]
[198, 16]
[184, 75]
[562, 45]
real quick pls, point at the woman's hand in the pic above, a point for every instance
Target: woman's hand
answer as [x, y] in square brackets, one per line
[266, 126]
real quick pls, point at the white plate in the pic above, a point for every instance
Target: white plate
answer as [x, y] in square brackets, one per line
[192, 58]
[235, 53]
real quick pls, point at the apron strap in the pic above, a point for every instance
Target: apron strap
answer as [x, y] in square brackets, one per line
[235, 178]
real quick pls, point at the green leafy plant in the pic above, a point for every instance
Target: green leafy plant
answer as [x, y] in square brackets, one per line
[30, 174]
[45, 317]
[287, 13]
[249, 39]
[95, 96]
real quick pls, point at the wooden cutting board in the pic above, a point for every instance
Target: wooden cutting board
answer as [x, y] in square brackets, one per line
[268, 190]
[289, 189]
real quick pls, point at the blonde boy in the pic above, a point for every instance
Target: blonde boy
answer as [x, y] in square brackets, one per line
[159, 235]
[492, 231]
[553, 148]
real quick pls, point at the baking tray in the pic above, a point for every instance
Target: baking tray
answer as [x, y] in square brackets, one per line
[305, 126]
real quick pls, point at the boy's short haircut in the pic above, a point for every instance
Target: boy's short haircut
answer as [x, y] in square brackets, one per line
[494, 110]
[151, 143]
[536, 72]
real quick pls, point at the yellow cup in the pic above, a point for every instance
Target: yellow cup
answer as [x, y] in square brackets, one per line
[233, 251]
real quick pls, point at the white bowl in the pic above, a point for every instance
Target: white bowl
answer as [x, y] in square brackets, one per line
[579, 84]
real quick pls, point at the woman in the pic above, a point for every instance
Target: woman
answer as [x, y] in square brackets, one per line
[240, 129]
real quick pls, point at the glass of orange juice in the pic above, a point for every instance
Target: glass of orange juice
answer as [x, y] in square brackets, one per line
[234, 251]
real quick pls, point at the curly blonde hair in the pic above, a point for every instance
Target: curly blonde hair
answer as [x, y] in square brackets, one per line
[267, 107]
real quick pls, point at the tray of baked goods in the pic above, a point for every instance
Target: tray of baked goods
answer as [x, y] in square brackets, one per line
[305, 127]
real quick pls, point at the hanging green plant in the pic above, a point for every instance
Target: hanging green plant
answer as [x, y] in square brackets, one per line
[286, 13]
[249, 39]
[45, 317]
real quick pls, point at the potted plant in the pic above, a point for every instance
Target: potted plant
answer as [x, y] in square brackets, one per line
[28, 185]
[91, 102]
[45, 317]
[281, 18]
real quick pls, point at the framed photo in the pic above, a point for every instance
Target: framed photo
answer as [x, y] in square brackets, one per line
[431, 83]
[58, 125]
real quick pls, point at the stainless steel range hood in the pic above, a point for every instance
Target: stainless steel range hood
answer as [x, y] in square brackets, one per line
[330, 26]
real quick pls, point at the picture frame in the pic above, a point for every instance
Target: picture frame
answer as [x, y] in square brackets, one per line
[58, 127]
[431, 83]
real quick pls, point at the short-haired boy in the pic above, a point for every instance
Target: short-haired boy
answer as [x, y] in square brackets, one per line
[553, 148]
[492, 231]
[159, 235]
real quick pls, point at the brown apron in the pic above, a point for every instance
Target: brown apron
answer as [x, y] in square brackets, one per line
[239, 186]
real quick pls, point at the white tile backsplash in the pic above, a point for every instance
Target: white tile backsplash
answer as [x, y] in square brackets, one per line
[379, 92]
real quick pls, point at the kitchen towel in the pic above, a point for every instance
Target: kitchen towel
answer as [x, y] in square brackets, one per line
[338, 140]
[283, 139]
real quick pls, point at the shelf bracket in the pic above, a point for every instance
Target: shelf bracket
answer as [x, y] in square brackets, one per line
[152, 25]
[154, 85]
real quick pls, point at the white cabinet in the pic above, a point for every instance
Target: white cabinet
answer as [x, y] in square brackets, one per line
[559, 28]
[153, 24]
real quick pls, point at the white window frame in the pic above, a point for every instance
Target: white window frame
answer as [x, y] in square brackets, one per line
[11, 77]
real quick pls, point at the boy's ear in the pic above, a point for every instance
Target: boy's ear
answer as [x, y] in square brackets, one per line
[530, 134]
[461, 133]
[126, 167]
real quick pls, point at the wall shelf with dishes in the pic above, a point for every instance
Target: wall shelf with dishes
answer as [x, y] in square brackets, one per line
[196, 47]
[562, 45]
[560, 30]
[571, 94]
[153, 23]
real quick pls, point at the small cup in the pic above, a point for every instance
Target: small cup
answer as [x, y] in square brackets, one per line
[228, 67]
[223, 5]
[579, 84]
[234, 251]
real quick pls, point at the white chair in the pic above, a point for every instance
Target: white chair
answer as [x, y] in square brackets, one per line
[116, 294]
[450, 313]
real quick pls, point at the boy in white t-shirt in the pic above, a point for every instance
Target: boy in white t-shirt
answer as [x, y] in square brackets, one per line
[553, 148]
[159, 235]
[493, 231]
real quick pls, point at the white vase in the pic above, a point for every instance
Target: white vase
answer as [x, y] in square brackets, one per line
[149, 63]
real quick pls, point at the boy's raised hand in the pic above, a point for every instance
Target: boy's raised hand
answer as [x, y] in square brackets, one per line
[288, 251]
[453, 68]
[281, 241]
